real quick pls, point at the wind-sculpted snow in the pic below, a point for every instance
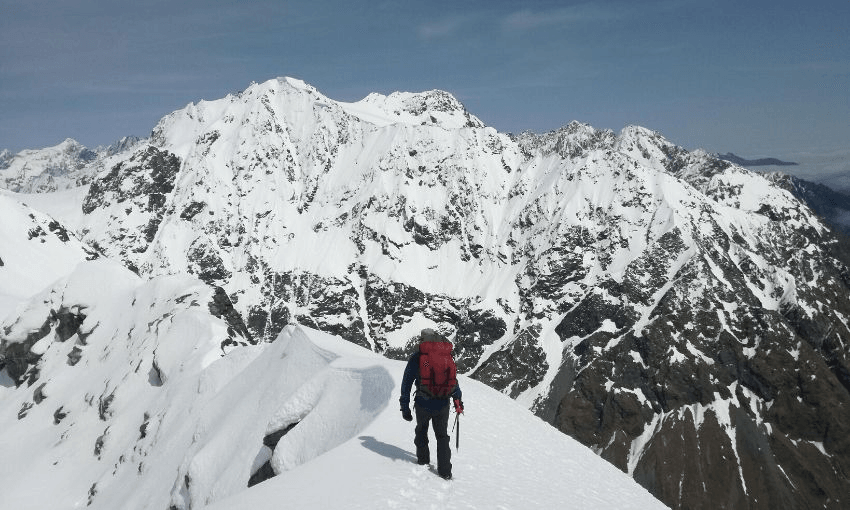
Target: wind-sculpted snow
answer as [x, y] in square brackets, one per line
[137, 398]
[631, 292]
[135, 406]
[35, 250]
[507, 459]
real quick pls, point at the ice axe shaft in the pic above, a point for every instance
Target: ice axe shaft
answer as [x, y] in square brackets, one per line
[457, 436]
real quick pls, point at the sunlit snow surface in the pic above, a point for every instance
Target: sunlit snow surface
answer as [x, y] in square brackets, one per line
[155, 414]
[35, 250]
[507, 458]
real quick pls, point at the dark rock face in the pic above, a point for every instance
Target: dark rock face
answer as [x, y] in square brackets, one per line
[516, 367]
[392, 305]
[205, 262]
[141, 185]
[833, 206]
[21, 363]
[222, 307]
[328, 304]
[270, 441]
[762, 382]
[150, 173]
[59, 231]
[333, 305]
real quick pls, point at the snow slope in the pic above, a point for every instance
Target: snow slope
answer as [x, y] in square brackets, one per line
[63, 205]
[35, 250]
[140, 399]
[104, 380]
[507, 458]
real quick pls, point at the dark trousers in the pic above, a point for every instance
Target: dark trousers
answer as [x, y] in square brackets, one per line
[439, 418]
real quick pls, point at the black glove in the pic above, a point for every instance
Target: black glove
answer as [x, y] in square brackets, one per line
[405, 413]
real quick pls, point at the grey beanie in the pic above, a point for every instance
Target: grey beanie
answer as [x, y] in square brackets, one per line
[429, 335]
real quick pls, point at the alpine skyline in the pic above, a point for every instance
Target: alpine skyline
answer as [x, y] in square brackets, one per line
[757, 79]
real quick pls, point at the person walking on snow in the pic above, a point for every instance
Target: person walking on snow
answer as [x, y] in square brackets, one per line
[432, 369]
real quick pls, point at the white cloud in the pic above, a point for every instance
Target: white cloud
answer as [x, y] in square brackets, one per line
[441, 28]
[527, 19]
[588, 12]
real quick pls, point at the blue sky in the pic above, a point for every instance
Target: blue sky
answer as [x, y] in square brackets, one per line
[752, 77]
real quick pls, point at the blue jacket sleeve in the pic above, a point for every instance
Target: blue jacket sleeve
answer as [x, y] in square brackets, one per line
[411, 373]
[456, 393]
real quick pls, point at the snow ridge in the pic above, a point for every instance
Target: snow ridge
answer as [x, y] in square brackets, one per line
[142, 400]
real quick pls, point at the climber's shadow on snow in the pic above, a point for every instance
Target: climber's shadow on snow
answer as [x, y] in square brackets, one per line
[387, 450]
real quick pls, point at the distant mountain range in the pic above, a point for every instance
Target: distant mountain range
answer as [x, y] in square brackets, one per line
[738, 160]
[831, 205]
[67, 165]
[684, 317]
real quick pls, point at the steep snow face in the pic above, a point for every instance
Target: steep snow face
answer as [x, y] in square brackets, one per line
[35, 250]
[632, 293]
[60, 167]
[132, 405]
[107, 390]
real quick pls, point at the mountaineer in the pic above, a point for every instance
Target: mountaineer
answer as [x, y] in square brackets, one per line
[432, 369]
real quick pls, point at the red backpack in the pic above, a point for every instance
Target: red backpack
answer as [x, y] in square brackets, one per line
[437, 369]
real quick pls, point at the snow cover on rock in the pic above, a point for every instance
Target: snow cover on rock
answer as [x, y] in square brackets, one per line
[632, 293]
[103, 387]
[63, 166]
[435, 107]
[132, 403]
[507, 457]
[35, 250]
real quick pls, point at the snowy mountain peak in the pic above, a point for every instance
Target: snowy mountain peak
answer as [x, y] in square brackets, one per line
[569, 141]
[632, 293]
[126, 143]
[47, 169]
[281, 85]
[435, 107]
[296, 83]
[640, 138]
[69, 143]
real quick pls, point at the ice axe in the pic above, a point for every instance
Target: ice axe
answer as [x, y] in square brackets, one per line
[458, 412]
